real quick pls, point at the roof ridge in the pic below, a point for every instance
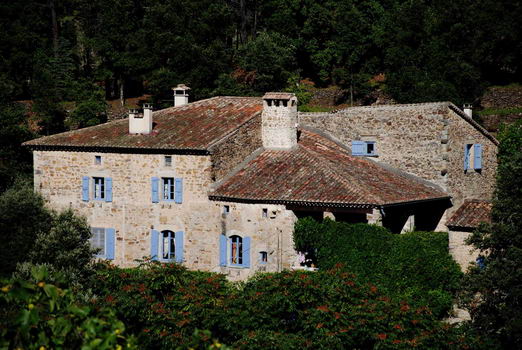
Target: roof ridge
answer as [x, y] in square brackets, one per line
[387, 106]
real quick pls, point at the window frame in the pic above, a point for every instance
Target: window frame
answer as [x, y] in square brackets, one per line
[240, 253]
[171, 244]
[104, 230]
[103, 189]
[365, 144]
[263, 257]
[171, 191]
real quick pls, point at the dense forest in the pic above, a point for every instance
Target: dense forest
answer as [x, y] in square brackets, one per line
[86, 51]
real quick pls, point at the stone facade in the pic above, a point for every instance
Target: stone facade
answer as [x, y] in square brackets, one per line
[131, 213]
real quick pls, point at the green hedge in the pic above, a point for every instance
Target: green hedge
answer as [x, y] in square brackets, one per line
[414, 265]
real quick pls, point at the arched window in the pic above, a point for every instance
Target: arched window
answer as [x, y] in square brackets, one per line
[236, 250]
[168, 245]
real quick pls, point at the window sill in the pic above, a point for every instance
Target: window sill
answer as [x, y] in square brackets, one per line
[241, 267]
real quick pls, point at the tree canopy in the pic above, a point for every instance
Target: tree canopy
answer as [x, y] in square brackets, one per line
[66, 50]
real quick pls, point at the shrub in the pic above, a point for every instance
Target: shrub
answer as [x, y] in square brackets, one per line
[23, 217]
[414, 266]
[41, 315]
[165, 305]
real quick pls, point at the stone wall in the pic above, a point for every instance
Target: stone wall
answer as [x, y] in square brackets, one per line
[426, 140]
[461, 252]
[279, 124]
[58, 177]
[236, 147]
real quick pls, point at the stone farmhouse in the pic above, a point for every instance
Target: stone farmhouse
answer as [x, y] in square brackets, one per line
[218, 184]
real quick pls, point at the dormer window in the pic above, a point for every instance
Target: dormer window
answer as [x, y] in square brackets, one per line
[364, 148]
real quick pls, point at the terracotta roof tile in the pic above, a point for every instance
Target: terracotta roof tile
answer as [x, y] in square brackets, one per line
[320, 171]
[278, 95]
[194, 126]
[471, 213]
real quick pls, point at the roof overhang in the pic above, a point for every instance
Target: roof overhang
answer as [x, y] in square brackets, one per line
[126, 150]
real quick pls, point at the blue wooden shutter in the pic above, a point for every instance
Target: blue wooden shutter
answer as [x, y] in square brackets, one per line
[477, 152]
[179, 246]
[466, 157]
[154, 242]
[85, 188]
[154, 189]
[178, 190]
[108, 189]
[110, 240]
[222, 250]
[246, 251]
[358, 148]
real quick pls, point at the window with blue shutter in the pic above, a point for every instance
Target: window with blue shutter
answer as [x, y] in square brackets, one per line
[154, 189]
[154, 242]
[85, 188]
[104, 241]
[223, 250]
[178, 188]
[364, 148]
[108, 189]
[473, 156]
[179, 246]
[110, 241]
[477, 154]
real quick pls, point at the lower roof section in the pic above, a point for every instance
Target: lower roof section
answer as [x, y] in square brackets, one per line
[471, 214]
[320, 172]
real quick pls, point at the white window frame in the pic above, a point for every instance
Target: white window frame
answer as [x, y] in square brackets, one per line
[99, 230]
[168, 194]
[98, 188]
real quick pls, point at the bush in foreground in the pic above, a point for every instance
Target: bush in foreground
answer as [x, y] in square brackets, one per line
[165, 304]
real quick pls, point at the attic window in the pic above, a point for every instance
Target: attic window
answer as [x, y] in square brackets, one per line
[168, 161]
[265, 212]
[364, 148]
[226, 209]
[97, 160]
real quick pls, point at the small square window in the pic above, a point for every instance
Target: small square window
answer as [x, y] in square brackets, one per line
[263, 257]
[364, 148]
[99, 187]
[97, 160]
[168, 161]
[265, 212]
[226, 209]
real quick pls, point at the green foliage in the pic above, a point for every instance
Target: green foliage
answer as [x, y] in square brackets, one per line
[164, 304]
[271, 59]
[23, 218]
[494, 293]
[415, 266]
[500, 111]
[65, 246]
[43, 316]
[14, 160]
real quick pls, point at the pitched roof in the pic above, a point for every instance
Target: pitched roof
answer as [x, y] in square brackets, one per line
[322, 172]
[195, 126]
[470, 214]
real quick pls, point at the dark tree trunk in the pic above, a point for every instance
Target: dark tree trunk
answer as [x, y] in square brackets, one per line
[54, 25]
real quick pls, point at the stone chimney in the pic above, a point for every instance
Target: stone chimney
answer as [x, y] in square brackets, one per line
[141, 123]
[468, 110]
[279, 120]
[181, 95]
